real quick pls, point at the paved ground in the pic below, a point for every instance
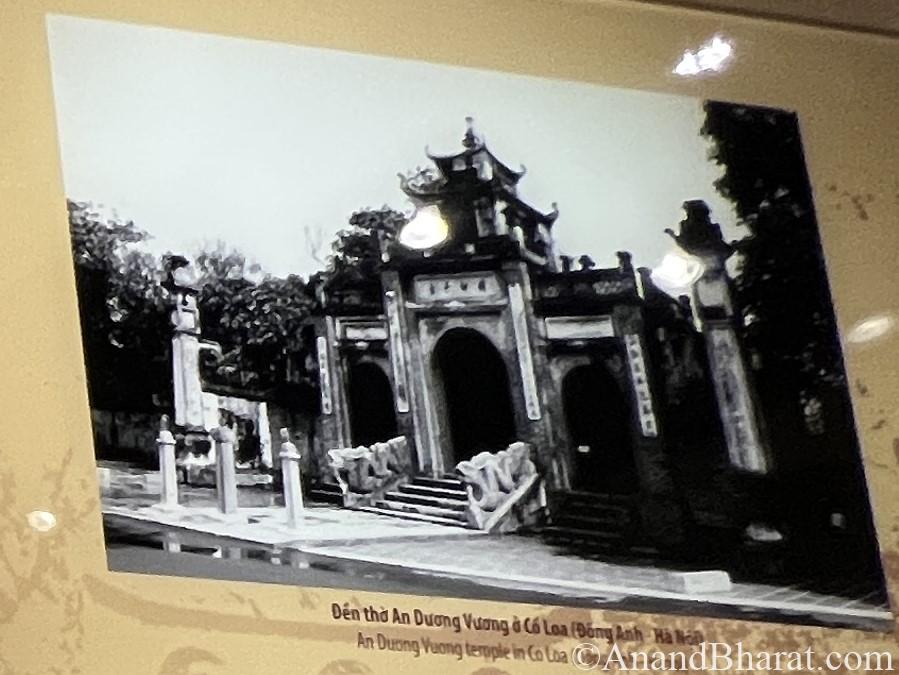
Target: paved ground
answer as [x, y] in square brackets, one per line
[510, 562]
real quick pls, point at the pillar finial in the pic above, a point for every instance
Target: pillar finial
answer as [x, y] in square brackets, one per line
[470, 140]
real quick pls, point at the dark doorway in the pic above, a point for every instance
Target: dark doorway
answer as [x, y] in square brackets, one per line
[599, 421]
[372, 418]
[476, 392]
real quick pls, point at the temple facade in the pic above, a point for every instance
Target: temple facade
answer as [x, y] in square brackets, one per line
[491, 337]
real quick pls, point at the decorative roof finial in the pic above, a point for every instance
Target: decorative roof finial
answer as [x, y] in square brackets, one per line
[470, 139]
[698, 234]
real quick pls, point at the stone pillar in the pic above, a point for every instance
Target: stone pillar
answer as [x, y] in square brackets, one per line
[165, 445]
[225, 474]
[335, 415]
[413, 402]
[660, 505]
[523, 351]
[187, 390]
[182, 283]
[293, 486]
[171, 543]
[715, 314]
[265, 435]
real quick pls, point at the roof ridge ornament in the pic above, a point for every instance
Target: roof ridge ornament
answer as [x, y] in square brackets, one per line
[470, 140]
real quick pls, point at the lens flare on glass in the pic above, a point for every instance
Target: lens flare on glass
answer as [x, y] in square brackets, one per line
[712, 57]
[42, 521]
[872, 328]
[427, 229]
[677, 272]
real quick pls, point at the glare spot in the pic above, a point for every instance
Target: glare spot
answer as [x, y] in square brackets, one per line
[872, 328]
[677, 272]
[42, 521]
[426, 230]
[712, 57]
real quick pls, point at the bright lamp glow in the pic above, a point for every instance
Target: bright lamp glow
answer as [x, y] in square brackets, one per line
[426, 230]
[677, 272]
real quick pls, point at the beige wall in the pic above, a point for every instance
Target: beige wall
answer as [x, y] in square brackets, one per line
[876, 16]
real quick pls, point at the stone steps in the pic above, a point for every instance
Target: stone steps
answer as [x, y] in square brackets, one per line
[593, 523]
[432, 500]
[412, 515]
[414, 488]
[574, 534]
[436, 510]
[596, 520]
[407, 498]
[326, 493]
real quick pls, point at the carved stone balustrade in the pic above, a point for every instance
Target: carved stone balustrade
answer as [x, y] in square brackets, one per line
[364, 474]
[504, 489]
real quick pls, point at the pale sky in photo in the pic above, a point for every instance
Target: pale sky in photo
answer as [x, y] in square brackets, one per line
[199, 138]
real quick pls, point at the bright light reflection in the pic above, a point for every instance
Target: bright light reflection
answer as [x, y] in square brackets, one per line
[677, 272]
[426, 230]
[711, 57]
[872, 328]
[42, 521]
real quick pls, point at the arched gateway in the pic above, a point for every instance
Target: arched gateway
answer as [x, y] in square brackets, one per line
[599, 428]
[372, 418]
[477, 404]
[430, 316]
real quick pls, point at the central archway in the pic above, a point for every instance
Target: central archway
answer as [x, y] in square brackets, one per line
[372, 418]
[477, 400]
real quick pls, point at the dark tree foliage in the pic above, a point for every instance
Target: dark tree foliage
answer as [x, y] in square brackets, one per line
[781, 284]
[351, 274]
[782, 290]
[357, 249]
[256, 318]
[122, 309]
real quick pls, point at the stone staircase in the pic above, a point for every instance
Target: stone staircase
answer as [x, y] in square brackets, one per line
[594, 524]
[326, 493]
[433, 500]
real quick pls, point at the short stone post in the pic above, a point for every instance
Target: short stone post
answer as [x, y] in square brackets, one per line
[168, 472]
[290, 472]
[171, 543]
[225, 475]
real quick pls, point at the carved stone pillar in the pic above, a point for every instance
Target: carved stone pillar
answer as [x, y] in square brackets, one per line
[225, 475]
[408, 364]
[293, 486]
[714, 312]
[185, 317]
[168, 472]
[523, 349]
[335, 417]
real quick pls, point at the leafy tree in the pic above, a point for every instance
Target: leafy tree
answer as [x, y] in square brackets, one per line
[781, 284]
[357, 249]
[255, 317]
[122, 310]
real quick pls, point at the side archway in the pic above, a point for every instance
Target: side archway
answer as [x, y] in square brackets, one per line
[372, 415]
[599, 423]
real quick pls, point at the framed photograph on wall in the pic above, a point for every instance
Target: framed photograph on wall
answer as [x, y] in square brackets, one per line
[403, 355]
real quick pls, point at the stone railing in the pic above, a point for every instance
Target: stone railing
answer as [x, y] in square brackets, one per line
[504, 489]
[364, 474]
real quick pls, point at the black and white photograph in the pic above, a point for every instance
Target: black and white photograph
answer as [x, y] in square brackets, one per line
[358, 322]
